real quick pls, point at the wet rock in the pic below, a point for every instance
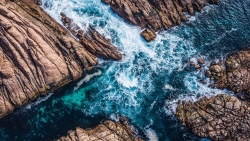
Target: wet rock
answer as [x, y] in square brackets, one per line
[200, 61]
[37, 55]
[156, 14]
[148, 34]
[235, 75]
[220, 118]
[203, 81]
[94, 42]
[196, 66]
[192, 63]
[107, 131]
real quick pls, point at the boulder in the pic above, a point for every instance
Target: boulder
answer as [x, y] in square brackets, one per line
[107, 131]
[148, 34]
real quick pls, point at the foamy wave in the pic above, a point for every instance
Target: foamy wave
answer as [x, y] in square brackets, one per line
[38, 101]
[195, 90]
[152, 136]
[86, 79]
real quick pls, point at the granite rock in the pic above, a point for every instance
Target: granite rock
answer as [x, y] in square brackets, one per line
[219, 118]
[37, 55]
[107, 131]
[233, 73]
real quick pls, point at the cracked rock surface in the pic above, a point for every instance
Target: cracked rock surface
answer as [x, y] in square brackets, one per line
[157, 14]
[37, 55]
[107, 131]
[220, 118]
[233, 73]
[92, 40]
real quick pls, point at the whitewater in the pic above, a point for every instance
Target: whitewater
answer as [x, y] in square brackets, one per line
[147, 83]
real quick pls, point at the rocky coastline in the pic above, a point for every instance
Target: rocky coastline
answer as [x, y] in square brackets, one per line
[223, 117]
[219, 118]
[38, 55]
[154, 15]
[107, 131]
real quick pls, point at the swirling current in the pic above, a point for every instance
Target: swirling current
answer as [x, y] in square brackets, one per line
[146, 84]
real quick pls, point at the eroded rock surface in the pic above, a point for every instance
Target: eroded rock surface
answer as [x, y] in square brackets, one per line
[92, 40]
[156, 14]
[233, 74]
[108, 131]
[37, 55]
[220, 118]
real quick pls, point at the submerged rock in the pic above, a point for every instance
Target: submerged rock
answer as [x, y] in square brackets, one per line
[220, 118]
[235, 75]
[107, 131]
[156, 14]
[37, 54]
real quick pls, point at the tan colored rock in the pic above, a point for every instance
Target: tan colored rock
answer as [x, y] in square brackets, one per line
[148, 34]
[37, 55]
[96, 43]
[220, 118]
[200, 61]
[235, 75]
[107, 131]
[156, 14]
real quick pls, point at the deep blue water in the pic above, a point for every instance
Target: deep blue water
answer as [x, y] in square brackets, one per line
[145, 85]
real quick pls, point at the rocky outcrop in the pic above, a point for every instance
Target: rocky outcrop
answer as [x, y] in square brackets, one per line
[220, 118]
[148, 34]
[156, 14]
[107, 131]
[37, 54]
[92, 40]
[233, 74]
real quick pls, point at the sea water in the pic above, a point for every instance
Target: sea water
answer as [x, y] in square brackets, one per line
[146, 84]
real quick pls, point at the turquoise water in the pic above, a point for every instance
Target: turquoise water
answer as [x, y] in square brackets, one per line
[145, 85]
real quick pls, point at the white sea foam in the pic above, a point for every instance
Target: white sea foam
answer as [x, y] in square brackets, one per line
[86, 79]
[218, 39]
[38, 101]
[169, 87]
[152, 136]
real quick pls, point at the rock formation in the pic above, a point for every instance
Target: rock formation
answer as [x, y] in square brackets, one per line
[92, 40]
[38, 55]
[108, 131]
[220, 118]
[156, 14]
[148, 34]
[233, 74]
